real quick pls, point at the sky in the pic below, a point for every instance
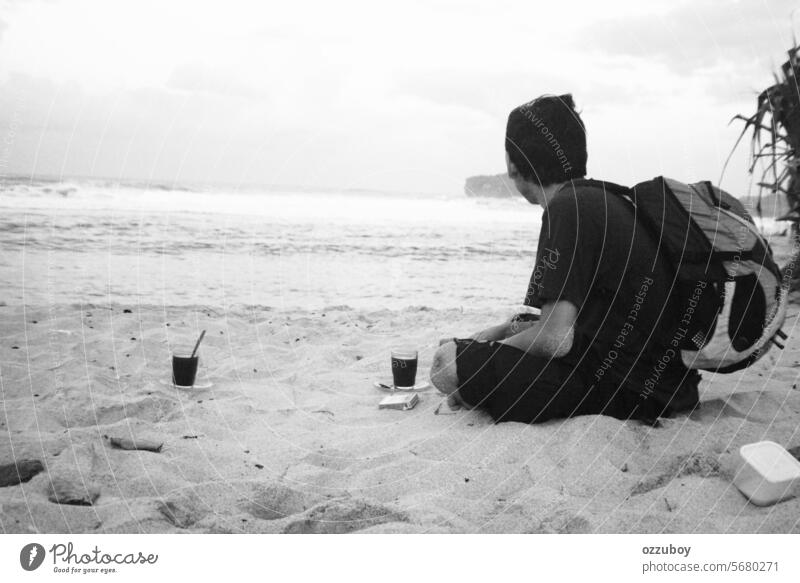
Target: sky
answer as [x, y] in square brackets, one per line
[405, 96]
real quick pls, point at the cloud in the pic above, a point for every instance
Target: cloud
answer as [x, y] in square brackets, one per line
[487, 92]
[699, 35]
[3, 27]
[195, 77]
[495, 93]
[339, 94]
[209, 136]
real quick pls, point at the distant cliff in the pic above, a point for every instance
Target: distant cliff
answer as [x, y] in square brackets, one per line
[499, 185]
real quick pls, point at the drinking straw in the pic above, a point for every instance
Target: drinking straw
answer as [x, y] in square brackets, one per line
[199, 340]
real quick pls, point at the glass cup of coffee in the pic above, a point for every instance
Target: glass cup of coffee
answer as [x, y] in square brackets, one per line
[184, 369]
[404, 368]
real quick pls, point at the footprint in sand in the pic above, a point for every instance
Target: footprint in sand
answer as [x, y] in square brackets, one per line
[331, 459]
[275, 501]
[563, 522]
[697, 464]
[152, 408]
[181, 511]
[343, 516]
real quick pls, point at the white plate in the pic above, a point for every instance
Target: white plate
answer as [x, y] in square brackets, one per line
[198, 386]
[420, 386]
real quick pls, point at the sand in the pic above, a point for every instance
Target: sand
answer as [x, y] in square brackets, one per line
[286, 436]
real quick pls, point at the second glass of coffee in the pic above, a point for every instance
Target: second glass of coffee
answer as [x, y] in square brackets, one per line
[404, 368]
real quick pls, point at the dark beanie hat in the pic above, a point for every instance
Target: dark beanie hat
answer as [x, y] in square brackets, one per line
[546, 140]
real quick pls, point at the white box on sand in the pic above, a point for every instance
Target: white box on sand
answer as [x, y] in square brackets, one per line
[768, 474]
[404, 402]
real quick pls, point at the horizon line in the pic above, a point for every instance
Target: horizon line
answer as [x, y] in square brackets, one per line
[177, 185]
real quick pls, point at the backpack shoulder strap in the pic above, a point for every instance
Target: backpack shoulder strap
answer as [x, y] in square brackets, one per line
[713, 194]
[605, 186]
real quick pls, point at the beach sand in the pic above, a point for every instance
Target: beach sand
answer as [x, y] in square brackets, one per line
[288, 436]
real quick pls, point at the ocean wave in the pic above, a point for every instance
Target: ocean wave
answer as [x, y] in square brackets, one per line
[117, 246]
[292, 205]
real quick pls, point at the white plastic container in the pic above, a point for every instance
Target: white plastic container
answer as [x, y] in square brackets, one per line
[768, 473]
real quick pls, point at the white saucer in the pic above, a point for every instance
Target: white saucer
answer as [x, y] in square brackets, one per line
[195, 387]
[199, 386]
[420, 386]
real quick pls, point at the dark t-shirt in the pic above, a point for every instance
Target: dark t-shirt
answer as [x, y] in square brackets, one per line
[593, 253]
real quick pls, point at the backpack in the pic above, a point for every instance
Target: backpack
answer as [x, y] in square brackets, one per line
[728, 290]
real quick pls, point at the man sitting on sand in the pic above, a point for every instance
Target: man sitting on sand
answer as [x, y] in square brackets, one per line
[606, 318]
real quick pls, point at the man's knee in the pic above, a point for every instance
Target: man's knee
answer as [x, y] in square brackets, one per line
[443, 370]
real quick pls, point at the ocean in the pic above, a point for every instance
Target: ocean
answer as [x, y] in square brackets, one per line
[100, 242]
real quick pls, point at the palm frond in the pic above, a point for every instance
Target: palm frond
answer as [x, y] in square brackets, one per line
[774, 130]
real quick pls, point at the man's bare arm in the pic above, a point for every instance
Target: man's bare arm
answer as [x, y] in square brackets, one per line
[502, 331]
[552, 335]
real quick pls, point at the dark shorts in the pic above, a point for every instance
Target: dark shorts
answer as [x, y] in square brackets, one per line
[512, 385]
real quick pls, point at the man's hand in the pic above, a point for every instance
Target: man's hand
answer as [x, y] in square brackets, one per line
[552, 335]
[503, 331]
[492, 334]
